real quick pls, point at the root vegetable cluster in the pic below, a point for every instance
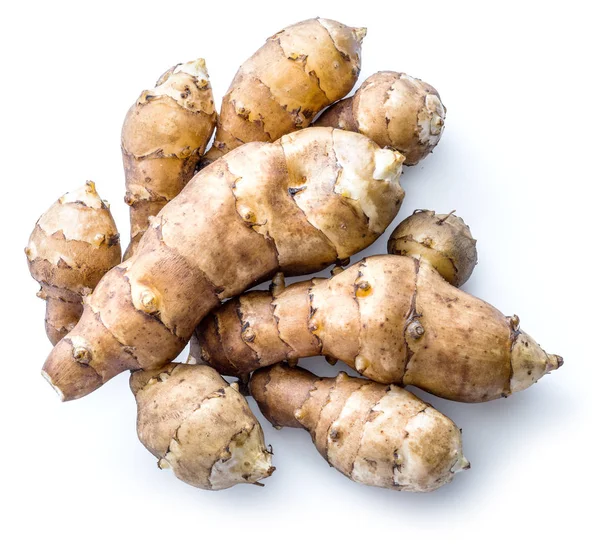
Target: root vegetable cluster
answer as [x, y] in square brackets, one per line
[299, 177]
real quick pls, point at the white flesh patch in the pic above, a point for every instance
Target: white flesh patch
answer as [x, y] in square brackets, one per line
[54, 386]
[174, 86]
[248, 459]
[364, 166]
[431, 120]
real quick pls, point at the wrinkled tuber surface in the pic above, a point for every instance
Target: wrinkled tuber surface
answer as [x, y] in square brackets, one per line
[74, 243]
[393, 319]
[294, 75]
[395, 110]
[295, 206]
[199, 426]
[164, 135]
[442, 240]
[372, 433]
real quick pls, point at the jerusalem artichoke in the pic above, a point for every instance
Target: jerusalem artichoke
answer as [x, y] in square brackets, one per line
[164, 134]
[395, 110]
[372, 433]
[194, 422]
[393, 319]
[298, 72]
[74, 243]
[295, 206]
[443, 240]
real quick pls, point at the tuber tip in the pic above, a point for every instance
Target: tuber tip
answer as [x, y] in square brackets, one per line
[461, 465]
[360, 33]
[554, 362]
[68, 372]
[54, 386]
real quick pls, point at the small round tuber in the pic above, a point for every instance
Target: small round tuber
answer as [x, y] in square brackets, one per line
[72, 246]
[442, 240]
[394, 110]
[199, 426]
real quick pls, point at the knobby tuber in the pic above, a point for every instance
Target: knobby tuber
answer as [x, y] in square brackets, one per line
[298, 72]
[164, 135]
[295, 206]
[197, 424]
[395, 110]
[74, 243]
[394, 319]
[443, 240]
[374, 434]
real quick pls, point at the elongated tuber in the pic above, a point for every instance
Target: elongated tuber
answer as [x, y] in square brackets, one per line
[195, 423]
[393, 319]
[164, 134]
[293, 206]
[74, 243]
[298, 72]
[395, 110]
[443, 240]
[372, 433]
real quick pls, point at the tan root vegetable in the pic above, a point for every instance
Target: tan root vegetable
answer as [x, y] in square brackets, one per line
[195, 423]
[395, 110]
[71, 247]
[164, 134]
[393, 319]
[443, 240]
[298, 72]
[372, 433]
[295, 206]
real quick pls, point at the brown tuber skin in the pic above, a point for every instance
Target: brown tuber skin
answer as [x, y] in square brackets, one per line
[164, 135]
[72, 246]
[393, 319]
[295, 206]
[197, 424]
[372, 433]
[442, 240]
[281, 88]
[394, 110]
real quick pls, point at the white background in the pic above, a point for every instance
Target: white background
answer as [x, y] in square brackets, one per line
[518, 160]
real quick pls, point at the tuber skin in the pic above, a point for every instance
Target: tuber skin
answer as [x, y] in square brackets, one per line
[164, 135]
[74, 243]
[281, 88]
[393, 319]
[395, 110]
[201, 427]
[442, 240]
[294, 206]
[374, 434]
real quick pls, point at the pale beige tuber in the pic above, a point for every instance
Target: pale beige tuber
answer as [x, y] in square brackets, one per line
[295, 206]
[281, 88]
[443, 240]
[394, 110]
[74, 243]
[372, 433]
[164, 135]
[393, 319]
[199, 426]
